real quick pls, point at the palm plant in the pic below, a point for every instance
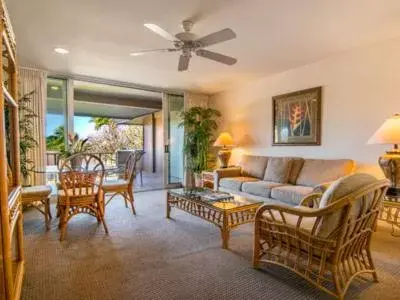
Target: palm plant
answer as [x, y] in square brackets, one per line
[200, 124]
[27, 142]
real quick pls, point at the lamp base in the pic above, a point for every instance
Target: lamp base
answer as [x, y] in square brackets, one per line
[224, 155]
[390, 165]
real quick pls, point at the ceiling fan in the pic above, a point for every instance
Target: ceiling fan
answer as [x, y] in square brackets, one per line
[186, 43]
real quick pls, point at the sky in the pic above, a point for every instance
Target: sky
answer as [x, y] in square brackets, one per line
[82, 125]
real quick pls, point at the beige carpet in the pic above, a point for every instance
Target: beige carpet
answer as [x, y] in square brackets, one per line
[150, 257]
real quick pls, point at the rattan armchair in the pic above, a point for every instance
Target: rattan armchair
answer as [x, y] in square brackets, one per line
[81, 179]
[327, 241]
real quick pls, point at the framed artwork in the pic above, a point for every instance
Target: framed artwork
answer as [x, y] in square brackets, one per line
[297, 118]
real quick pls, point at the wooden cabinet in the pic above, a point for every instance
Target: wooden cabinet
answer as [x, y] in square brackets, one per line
[11, 230]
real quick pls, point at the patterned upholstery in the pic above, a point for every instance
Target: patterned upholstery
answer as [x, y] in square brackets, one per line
[260, 188]
[278, 169]
[253, 166]
[316, 171]
[291, 194]
[235, 183]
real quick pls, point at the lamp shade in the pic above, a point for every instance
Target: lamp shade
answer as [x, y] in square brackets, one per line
[388, 133]
[224, 140]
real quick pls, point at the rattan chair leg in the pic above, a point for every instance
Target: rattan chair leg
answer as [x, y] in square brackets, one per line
[371, 263]
[132, 200]
[125, 196]
[336, 281]
[63, 220]
[100, 214]
[48, 208]
[47, 215]
[58, 211]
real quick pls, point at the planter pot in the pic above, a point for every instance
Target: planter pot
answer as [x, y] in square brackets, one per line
[76, 163]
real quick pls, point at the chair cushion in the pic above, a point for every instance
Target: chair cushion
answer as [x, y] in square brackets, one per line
[297, 164]
[39, 191]
[306, 223]
[253, 166]
[79, 192]
[316, 171]
[340, 188]
[235, 183]
[292, 194]
[115, 184]
[259, 188]
[278, 169]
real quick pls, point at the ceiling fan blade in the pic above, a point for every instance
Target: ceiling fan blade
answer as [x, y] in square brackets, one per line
[183, 64]
[217, 37]
[157, 29]
[137, 53]
[216, 57]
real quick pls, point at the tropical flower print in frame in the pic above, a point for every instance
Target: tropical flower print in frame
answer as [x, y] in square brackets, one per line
[297, 118]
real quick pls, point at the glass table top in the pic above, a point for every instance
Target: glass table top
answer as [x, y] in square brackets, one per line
[220, 200]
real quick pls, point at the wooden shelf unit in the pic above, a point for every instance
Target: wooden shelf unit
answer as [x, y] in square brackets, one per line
[11, 225]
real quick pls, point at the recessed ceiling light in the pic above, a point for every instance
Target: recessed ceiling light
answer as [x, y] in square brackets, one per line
[55, 88]
[61, 51]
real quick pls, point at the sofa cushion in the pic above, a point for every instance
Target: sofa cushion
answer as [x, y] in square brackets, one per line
[278, 169]
[316, 171]
[340, 188]
[259, 188]
[292, 194]
[235, 183]
[297, 164]
[253, 166]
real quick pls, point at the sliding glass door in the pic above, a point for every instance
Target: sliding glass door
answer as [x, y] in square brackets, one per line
[56, 129]
[173, 106]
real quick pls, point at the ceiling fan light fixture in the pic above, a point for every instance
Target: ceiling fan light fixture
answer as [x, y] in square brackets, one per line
[187, 43]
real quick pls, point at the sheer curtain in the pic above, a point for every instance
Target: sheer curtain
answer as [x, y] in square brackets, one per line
[36, 80]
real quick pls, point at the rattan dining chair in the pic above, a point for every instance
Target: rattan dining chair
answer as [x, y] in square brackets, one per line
[123, 186]
[327, 240]
[81, 178]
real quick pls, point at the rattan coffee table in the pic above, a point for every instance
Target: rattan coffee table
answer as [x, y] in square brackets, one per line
[225, 214]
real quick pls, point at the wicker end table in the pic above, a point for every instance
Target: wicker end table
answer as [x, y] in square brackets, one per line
[390, 212]
[225, 214]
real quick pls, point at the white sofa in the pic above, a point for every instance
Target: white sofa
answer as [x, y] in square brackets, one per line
[281, 179]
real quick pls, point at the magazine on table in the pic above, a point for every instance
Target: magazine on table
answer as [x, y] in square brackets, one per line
[214, 196]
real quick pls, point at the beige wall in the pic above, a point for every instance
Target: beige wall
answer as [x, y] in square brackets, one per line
[361, 88]
[148, 144]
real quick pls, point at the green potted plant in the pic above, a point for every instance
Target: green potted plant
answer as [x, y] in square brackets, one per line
[200, 124]
[27, 142]
[75, 145]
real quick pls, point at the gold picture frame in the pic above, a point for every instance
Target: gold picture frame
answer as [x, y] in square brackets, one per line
[297, 118]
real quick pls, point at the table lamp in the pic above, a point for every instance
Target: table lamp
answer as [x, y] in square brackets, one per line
[389, 133]
[224, 141]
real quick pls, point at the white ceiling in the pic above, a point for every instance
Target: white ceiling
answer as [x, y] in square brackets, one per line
[272, 36]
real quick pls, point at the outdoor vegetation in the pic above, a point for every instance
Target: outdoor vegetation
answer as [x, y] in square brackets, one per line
[109, 137]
